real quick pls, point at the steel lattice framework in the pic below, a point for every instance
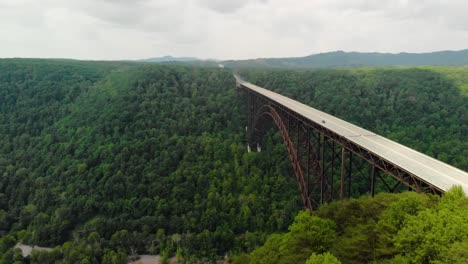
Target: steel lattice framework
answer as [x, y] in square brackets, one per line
[324, 162]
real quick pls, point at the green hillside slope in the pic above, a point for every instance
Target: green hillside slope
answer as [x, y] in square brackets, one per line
[158, 151]
[107, 160]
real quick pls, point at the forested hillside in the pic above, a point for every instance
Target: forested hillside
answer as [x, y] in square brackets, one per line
[108, 160]
[142, 159]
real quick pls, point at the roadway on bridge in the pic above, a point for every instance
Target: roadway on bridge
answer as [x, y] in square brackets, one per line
[424, 167]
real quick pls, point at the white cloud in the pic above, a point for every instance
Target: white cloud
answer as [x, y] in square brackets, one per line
[127, 29]
[227, 6]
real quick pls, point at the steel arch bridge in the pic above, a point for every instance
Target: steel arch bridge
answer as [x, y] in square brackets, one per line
[328, 153]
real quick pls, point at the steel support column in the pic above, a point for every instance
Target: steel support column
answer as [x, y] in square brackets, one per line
[313, 149]
[372, 187]
[343, 171]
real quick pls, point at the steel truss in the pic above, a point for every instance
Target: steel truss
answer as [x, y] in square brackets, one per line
[324, 162]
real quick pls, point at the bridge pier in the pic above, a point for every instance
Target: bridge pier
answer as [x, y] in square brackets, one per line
[372, 187]
[343, 167]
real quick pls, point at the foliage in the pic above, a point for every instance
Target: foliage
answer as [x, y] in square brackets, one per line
[150, 158]
[431, 234]
[108, 160]
[308, 234]
[325, 258]
[390, 228]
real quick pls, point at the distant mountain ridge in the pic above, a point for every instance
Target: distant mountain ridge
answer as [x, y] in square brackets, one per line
[342, 59]
[170, 59]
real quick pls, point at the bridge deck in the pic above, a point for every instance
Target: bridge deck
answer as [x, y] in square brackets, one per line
[426, 168]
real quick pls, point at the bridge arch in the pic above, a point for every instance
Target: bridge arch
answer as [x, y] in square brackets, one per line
[326, 161]
[269, 112]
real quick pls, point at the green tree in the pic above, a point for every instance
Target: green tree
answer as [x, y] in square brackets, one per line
[324, 258]
[427, 236]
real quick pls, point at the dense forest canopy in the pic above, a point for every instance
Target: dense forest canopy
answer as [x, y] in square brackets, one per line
[156, 151]
[389, 228]
[110, 159]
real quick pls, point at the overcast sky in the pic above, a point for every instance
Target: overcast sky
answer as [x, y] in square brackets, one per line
[227, 29]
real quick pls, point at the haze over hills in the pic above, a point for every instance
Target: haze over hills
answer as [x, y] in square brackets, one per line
[170, 59]
[341, 59]
[335, 59]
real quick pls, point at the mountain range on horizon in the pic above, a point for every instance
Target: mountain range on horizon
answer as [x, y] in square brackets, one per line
[342, 59]
[169, 58]
[338, 59]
